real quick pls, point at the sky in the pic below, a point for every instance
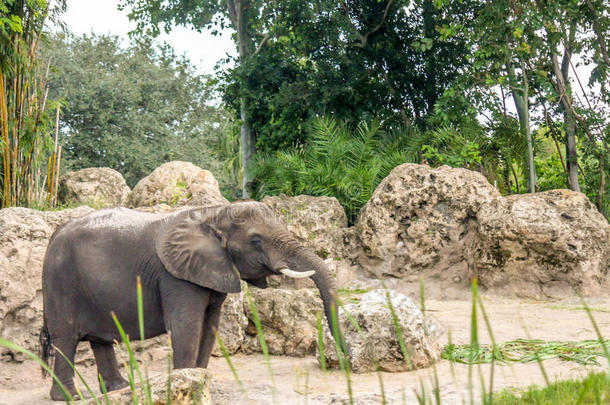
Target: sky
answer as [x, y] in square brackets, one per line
[102, 17]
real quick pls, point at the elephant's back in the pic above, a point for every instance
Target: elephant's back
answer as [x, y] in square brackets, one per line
[117, 220]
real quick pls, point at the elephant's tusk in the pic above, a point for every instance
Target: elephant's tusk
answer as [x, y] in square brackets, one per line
[297, 274]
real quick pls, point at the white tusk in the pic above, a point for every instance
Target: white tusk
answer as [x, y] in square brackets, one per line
[297, 274]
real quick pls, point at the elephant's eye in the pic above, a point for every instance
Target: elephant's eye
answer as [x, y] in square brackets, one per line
[256, 242]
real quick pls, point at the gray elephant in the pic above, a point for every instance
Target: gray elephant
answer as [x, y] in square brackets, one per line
[187, 262]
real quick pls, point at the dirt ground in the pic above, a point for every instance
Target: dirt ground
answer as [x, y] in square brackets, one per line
[510, 318]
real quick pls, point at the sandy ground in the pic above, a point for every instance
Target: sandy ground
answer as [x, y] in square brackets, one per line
[300, 380]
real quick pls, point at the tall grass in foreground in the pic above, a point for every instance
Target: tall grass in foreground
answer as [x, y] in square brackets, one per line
[594, 388]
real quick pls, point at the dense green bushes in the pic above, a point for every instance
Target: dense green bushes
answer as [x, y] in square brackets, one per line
[338, 161]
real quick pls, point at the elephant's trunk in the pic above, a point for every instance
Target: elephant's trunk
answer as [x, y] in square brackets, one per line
[305, 260]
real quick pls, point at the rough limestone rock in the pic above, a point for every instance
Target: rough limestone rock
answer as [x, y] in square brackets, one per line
[177, 183]
[377, 342]
[288, 318]
[544, 244]
[187, 386]
[317, 222]
[419, 220]
[96, 186]
[232, 325]
[24, 234]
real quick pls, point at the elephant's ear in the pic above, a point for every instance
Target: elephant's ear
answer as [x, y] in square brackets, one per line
[195, 251]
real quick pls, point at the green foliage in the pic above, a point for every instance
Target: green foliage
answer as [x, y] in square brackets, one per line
[135, 107]
[551, 174]
[26, 112]
[593, 389]
[337, 161]
[354, 61]
[526, 351]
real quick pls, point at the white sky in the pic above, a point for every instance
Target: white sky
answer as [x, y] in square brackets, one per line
[102, 17]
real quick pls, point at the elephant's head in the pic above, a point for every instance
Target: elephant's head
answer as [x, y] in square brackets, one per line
[216, 247]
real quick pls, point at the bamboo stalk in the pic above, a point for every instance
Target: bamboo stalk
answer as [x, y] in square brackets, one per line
[6, 143]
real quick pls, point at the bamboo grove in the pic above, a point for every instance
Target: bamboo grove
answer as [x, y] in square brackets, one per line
[29, 144]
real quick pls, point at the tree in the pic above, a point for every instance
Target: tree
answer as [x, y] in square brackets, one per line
[133, 107]
[241, 14]
[353, 60]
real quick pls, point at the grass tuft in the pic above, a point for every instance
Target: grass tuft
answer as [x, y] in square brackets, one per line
[585, 352]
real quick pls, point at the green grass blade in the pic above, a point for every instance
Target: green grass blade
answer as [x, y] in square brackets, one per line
[145, 382]
[398, 331]
[261, 339]
[321, 348]
[133, 364]
[15, 347]
[80, 377]
[103, 389]
[341, 357]
[227, 357]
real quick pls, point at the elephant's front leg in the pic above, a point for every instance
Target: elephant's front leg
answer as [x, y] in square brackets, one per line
[184, 310]
[212, 316]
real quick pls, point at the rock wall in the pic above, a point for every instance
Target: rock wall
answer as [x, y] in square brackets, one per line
[548, 244]
[419, 222]
[316, 222]
[24, 234]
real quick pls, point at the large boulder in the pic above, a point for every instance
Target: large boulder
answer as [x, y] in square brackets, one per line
[418, 222]
[24, 234]
[317, 222]
[185, 386]
[288, 319]
[232, 325]
[177, 183]
[95, 186]
[376, 343]
[544, 244]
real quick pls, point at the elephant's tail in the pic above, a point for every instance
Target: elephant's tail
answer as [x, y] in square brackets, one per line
[46, 349]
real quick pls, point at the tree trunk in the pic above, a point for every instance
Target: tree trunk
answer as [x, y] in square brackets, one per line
[521, 99]
[562, 86]
[238, 13]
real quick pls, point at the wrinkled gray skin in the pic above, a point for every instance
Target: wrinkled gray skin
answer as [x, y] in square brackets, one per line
[188, 261]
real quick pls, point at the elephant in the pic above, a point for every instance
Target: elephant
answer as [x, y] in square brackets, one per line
[187, 262]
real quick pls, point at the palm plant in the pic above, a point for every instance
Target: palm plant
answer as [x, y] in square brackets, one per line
[337, 161]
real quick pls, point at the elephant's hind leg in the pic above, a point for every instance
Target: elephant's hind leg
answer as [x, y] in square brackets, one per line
[107, 366]
[62, 369]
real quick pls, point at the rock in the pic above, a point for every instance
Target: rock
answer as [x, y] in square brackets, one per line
[288, 319]
[317, 222]
[24, 234]
[187, 386]
[377, 342]
[96, 186]
[418, 222]
[177, 183]
[545, 244]
[232, 325]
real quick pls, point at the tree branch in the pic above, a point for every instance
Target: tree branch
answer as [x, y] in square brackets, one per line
[232, 12]
[598, 33]
[364, 38]
[261, 44]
